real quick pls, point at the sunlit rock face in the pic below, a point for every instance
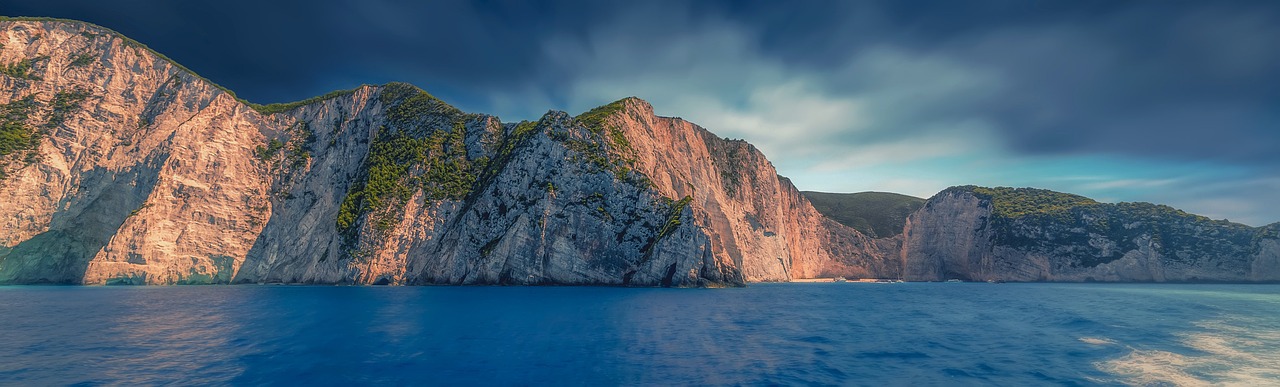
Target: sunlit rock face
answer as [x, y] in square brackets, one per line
[118, 166]
[983, 234]
[128, 169]
[135, 170]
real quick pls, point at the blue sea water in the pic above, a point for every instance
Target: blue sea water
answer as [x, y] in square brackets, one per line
[813, 334]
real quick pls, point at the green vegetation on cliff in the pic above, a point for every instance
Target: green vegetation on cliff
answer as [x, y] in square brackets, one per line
[1019, 202]
[284, 107]
[390, 157]
[607, 149]
[15, 134]
[22, 69]
[64, 103]
[673, 219]
[1093, 233]
[421, 147]
[82, 59]
[297, 148]
[270, 150]
[876, 214]
[596, 120]
[675, 210]
[407, 106]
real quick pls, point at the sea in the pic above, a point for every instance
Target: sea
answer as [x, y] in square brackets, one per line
[871, 334]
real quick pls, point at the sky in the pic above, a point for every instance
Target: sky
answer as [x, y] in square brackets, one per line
[1172, 102]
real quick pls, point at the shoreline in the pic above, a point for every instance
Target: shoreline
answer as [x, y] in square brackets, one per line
[842, 279]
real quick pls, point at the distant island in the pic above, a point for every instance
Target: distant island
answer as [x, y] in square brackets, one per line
[119, 166]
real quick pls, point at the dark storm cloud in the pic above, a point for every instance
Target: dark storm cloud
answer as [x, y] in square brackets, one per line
[1177, 80]
[1077, 77]
[1197, 83]
[272, 51]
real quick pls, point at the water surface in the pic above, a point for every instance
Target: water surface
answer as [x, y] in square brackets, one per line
[838, 334]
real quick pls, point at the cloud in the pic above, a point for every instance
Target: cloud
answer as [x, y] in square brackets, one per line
[1246, 199]
[1183, 84]
[1128, 184]
[1010, 104]
[713, 72]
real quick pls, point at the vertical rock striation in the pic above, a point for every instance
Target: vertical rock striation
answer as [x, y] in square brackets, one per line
[137, 171]
[134, 170]
[118, 166]
[754, 217]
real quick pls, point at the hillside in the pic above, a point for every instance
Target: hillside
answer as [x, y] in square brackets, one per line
[1027, 234]
[877, 214]
[119, 166]
[122, 167]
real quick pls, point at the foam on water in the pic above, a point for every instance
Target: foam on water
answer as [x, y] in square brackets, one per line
[1097, 341]
[1235, 351]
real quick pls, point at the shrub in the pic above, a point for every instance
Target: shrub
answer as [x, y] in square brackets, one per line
[269, 151]
[607, 148]
[64, 103]
[1011, 203]
[284, 107]
[595, 119]
[82, 59]
[408, 154]
[1050, 222]
[15, 134]
[23, 69]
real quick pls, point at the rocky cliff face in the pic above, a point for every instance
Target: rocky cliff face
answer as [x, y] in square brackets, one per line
[120, 166]
[428, 194]
[975, 233]
[755, 218]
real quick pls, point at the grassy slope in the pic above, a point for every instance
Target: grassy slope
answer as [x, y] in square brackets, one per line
[1044, 221]
[877, 214]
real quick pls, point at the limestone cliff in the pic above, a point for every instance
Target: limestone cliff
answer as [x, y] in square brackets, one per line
[975, 233]
[608, 197]
[120, 166]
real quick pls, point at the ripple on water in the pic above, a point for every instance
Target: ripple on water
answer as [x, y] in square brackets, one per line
[1230, 351]
[815, 340]
[916, 334]
[892, 355]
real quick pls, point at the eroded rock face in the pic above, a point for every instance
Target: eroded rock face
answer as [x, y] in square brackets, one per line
[948, 238]
[146, 177]
[754, 218]
[148, 174]
[962, 234]
[118, 166]
[532, 211]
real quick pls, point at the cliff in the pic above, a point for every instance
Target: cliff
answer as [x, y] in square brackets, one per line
[119, 166]
[118, 159]
[976, 233]
[122, 167]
